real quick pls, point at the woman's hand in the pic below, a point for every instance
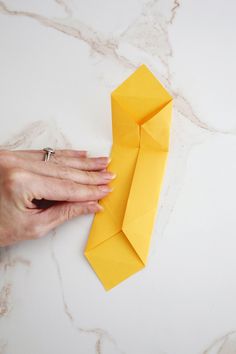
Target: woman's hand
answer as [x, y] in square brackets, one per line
[73, 182]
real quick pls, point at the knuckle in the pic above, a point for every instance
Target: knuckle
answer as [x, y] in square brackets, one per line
[64, 172]
[68, 212]
[84, 162]
[16, 174]
[72, 189]
[90, 208]
[86, 209]
[13, 178]
[90, 177]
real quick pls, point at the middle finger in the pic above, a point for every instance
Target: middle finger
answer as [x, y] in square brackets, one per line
[82, 163]
[66, 172]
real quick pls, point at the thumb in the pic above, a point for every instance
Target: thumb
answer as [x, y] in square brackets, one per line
[57, 214]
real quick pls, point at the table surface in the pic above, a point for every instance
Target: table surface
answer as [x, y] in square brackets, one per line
[59, 61]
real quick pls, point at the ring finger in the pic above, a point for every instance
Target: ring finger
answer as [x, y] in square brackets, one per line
[69, 158]
[38, 155]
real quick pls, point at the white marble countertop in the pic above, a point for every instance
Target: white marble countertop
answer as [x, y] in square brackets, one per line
[59, 61]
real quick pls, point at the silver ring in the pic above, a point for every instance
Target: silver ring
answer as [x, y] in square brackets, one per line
[48, 152]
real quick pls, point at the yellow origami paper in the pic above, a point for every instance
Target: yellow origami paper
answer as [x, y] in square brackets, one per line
[120, 236]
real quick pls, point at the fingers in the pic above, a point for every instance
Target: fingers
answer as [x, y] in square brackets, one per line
[83, 163]
[50, 218]
[56, 189]
[64, 172]
[69, 158]
[38, 155]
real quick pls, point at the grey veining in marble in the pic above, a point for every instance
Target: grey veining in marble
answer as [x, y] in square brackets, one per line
[59, 61]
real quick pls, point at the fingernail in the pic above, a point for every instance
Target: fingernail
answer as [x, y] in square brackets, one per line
[105, 189]
[109, 175]
[105, 160]
[99, 207]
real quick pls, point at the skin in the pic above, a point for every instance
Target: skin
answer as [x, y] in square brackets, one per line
[71, 184]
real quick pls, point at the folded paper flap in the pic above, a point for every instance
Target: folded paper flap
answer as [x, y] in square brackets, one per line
[141, 94]
[158, 128]
[97, 238]
[104, 227]
[114, 261]
[125, 129]
[153, 114]
[138, 232]
[143, 197]
[142, 83]
[109, 221]
[150, 143]
[128, 133]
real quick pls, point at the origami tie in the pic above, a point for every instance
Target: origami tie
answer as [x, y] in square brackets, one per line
[119, 238]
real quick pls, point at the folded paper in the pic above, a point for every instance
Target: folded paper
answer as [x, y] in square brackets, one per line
[120, 236]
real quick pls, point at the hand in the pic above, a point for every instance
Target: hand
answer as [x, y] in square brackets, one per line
[71, 181]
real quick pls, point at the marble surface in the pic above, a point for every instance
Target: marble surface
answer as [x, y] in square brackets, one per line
[59, 61]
